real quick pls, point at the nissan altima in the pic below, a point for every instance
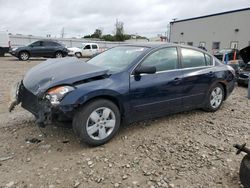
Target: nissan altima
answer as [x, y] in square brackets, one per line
[122, 85]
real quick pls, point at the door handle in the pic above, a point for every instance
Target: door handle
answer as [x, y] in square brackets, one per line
[211, 73]
[177, 80]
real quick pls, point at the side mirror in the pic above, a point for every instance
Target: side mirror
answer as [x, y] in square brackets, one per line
[145, 69]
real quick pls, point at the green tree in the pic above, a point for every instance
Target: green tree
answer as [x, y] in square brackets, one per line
[119, 31]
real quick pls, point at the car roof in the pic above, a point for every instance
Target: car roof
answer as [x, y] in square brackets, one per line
[162, 45]
[47, 40]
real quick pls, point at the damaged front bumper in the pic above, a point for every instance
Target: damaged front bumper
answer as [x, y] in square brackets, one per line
[40, 107]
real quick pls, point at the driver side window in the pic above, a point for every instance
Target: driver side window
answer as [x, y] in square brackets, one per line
[37, 44]
[87, 47]
[163, 59]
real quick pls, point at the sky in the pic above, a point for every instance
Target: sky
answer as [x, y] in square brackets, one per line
[81, 17]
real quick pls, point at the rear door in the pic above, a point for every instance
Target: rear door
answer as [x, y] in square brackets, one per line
[94, 49]
[152, 95]
[50, 48]
[198, 75]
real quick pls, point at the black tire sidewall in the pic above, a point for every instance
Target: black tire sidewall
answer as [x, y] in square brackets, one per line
[245, 171]
[81, 117]
[208, 106]
[78, 54]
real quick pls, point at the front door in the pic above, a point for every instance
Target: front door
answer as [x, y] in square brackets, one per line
[36, 49]
[87, 51]
[153, 95]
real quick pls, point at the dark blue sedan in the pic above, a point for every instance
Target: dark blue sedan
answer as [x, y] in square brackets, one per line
[124, 84]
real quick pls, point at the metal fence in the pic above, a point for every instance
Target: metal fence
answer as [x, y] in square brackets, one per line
[21, 40]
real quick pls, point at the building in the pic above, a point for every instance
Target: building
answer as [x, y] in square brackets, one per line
[216, 31]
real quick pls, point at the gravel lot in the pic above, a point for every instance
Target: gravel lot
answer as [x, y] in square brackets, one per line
[191, 149]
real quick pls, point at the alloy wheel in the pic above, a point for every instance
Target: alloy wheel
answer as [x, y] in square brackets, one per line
[216, 97]
[101, 123]
[24, 56]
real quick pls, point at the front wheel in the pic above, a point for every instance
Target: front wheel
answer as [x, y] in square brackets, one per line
[215, 98]
[24, 56]
[97, 122]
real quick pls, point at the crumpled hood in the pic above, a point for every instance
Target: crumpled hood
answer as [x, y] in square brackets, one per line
[59, 71]
[245, 54]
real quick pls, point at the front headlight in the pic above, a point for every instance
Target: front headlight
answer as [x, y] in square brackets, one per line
[56, 94]
[14, 49]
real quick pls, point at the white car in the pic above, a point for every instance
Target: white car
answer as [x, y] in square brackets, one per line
[4, 43]
[87, 50]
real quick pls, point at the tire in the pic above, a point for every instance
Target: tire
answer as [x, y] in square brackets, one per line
[1, 52]
[78, 54]
[92, 126]
[214, 98]
[58, 55]
[24, 56]
[245, 171]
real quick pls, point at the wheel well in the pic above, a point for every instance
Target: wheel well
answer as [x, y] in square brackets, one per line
[78, 52]
[23, 51]
[224, 88]
[58, 51]
[110, 98]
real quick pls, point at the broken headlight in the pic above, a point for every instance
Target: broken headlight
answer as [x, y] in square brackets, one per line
[56, 94]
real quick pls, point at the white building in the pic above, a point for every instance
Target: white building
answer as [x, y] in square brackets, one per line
[216, 31]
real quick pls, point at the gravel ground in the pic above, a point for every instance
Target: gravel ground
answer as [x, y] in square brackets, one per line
[191, 149]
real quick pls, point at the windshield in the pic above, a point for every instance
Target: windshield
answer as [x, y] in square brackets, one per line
[118, 58]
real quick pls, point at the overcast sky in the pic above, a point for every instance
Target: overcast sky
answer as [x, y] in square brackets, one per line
[82, 17]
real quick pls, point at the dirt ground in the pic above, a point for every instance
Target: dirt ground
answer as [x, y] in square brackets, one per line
[191, 149]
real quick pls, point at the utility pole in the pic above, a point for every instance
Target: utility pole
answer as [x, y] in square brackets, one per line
[62, 32]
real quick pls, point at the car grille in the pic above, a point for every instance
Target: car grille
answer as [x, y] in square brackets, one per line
[29, 100]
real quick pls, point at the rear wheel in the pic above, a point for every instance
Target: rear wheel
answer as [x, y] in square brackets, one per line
[24, 56]
[97, 122]
[78, 54]
[59, 55]
[215, 98]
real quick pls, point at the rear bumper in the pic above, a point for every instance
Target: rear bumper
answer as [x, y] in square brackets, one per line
[230, 88]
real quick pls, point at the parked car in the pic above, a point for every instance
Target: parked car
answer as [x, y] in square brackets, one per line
[202, 47]
[87, 50]
[4, 43]
[124, 84]
[41, 48]
[244, 71]
[231, 57]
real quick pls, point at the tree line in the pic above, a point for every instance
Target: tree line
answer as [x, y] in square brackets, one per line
[119, 34]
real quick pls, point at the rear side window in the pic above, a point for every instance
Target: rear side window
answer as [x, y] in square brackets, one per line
[192, 58]
[94, 46]
[163, 59]
[49, 43]
[208, 60]
[87, 47]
